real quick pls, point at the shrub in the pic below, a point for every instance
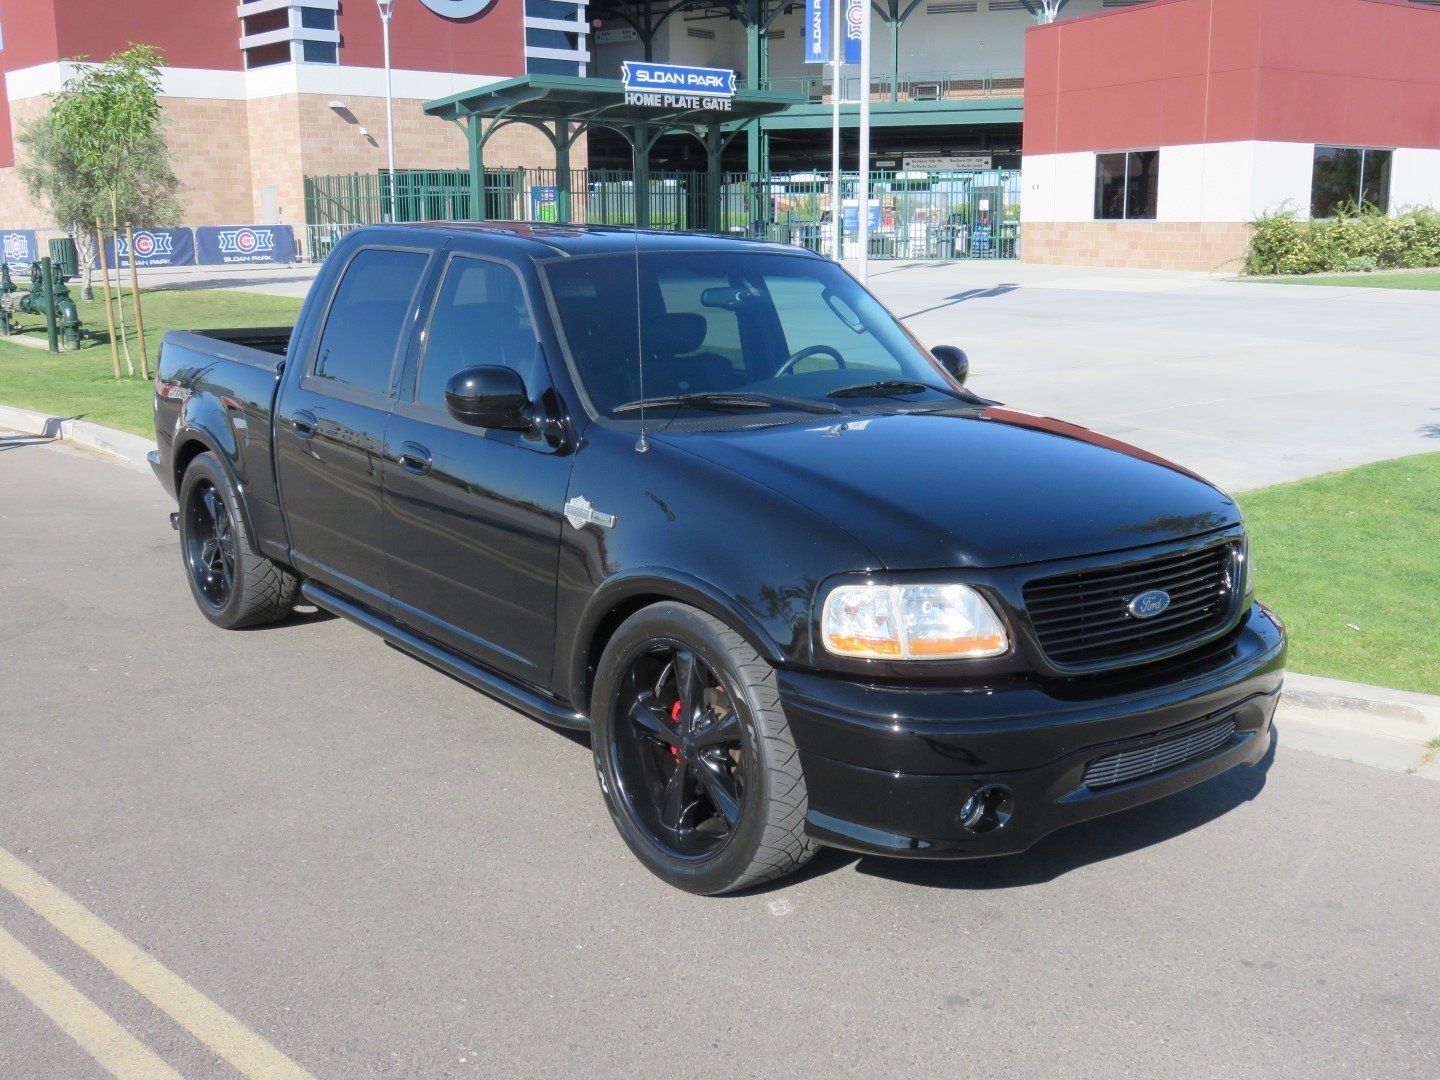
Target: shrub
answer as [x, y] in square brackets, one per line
[1354, 239]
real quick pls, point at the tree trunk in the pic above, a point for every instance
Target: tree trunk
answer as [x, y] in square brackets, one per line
[85, 256]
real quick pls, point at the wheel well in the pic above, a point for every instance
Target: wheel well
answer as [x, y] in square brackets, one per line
[184, 455]
[605, 630]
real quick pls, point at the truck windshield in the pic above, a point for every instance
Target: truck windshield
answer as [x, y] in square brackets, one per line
[722, 328]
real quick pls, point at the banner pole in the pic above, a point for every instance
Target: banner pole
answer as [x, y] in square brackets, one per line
[862, 207]
[837, 54]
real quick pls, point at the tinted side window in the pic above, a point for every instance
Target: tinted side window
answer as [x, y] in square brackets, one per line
[367, 318]
[481, 319]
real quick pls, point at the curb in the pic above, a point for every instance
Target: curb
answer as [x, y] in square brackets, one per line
[1355, 707]
[129, 450]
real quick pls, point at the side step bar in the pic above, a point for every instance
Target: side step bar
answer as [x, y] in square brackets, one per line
[487, 682]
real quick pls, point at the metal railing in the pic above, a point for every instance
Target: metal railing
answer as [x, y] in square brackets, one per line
[915, 215]
[908, 86]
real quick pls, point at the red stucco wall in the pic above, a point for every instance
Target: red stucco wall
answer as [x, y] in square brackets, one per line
[1175, 72]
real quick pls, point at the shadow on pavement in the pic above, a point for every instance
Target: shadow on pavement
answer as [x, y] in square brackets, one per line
[961, 297]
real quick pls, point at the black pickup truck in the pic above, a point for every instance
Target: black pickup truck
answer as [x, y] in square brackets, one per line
[708, 500]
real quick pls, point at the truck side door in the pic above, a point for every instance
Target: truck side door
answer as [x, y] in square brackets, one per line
[473, 517]
[330, 422]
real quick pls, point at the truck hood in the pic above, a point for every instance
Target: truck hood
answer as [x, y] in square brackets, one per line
[982, 487]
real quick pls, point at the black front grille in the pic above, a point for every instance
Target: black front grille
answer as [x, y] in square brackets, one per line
[1083, 619]
[1157, 756]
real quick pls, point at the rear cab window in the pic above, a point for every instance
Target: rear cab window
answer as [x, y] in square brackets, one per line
[367, 319]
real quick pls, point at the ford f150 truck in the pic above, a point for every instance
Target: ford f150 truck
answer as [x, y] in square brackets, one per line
[709, 501]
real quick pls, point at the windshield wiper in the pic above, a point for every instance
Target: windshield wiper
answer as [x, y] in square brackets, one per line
[891, 387]
[733, 399]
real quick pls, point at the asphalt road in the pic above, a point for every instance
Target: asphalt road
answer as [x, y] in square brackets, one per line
[370, 870]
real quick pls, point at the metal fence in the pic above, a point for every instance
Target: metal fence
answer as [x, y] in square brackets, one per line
[914, 215]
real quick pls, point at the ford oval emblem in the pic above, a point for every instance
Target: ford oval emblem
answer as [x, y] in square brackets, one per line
[1149, 604]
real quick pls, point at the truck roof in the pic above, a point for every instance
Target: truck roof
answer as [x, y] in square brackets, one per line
[549, 239]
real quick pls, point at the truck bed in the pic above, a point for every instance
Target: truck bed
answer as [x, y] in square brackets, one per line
[240, 344]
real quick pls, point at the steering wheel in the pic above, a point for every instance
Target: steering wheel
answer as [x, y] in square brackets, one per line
[808, 351]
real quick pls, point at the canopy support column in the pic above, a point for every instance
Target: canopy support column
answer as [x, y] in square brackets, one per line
[713, 177]
[642, 176]
[477, 168]
[562, 170]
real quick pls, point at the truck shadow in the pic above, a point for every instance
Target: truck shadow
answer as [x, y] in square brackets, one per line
[1087, 842]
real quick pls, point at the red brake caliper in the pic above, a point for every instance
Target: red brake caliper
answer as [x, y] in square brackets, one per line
[675, 715]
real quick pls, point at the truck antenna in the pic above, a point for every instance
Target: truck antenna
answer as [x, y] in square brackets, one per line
[643, 444]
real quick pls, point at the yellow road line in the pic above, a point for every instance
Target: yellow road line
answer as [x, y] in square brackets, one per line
[247, 1052]
[119, 1052]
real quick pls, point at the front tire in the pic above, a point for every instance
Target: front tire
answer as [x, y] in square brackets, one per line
[232, 586]
[695, 759]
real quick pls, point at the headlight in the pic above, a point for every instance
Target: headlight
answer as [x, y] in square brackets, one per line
[911, 622]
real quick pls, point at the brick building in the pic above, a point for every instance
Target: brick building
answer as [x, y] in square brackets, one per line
[1154, 135]
[261, 93]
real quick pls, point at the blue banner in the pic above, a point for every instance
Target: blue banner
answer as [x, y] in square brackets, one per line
[21, 249]
[153, 247]
[856, 12]
[239, 245]
[673, 79]
[817, 31]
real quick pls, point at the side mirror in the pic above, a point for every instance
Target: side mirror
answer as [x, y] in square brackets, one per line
[489, 397]
[953, 360]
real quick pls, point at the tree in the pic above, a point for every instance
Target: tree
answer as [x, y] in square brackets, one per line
[75, 195]
[108, 120]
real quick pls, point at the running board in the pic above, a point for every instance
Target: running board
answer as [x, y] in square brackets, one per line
[487, 682]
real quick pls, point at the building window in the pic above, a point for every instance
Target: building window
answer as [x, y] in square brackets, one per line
[320, 52]
[1127, 185]
[1348, 178]
[317, 19]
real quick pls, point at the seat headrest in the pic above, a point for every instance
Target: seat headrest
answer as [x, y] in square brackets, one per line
[676, 334]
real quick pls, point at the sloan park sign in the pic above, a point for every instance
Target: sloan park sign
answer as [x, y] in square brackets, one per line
[672, 86]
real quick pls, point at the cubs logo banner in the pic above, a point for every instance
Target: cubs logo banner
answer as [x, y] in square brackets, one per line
[856, 12]
[240, 245]
[153, 248]
[21, 249]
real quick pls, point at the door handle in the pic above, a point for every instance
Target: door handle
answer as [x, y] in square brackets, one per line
[415, 458]
[304, 422]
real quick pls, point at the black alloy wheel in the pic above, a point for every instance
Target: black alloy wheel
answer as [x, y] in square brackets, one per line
[233, 586]
[679, 752]
[210, 548]
[694, 755]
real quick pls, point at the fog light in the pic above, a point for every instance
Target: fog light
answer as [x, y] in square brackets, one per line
[987, 810]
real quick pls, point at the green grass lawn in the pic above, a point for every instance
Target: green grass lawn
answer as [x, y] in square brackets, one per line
[1425, 279]
[83, 382]
[1351, 562]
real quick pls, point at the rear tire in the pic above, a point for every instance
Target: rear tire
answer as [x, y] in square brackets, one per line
[232, 586]
[694, 755]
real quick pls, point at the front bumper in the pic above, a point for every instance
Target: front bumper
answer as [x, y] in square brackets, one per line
[891, 769]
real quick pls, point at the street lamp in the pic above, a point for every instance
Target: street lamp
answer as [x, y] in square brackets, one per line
[387, 9]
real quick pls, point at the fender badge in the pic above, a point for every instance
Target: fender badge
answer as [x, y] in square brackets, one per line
[580, 513]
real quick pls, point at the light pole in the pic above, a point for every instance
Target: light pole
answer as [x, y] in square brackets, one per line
[387, 9]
